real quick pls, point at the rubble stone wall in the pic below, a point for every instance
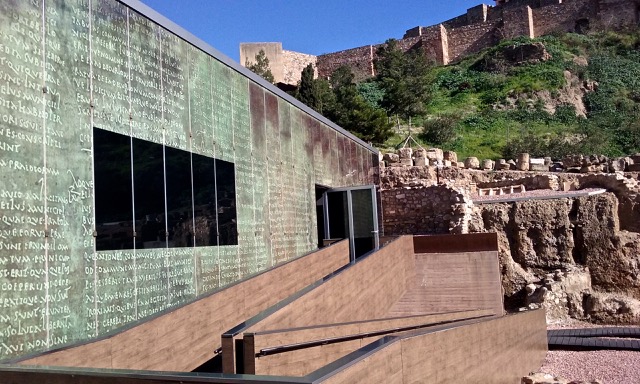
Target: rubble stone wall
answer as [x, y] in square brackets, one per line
[424, 210]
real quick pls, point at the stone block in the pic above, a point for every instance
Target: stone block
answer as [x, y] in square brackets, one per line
[451, 156]
[588, 169]
[523, 162]
[420, 161]
[471, 163]
[538, 167]
[548, 161]
[420, 153]
[405, 153]
[487, 164]
[634, 167]
[446, 163]
[435, 154]
[617, 165]
[407, 162]
[460, 164]
[391, 158]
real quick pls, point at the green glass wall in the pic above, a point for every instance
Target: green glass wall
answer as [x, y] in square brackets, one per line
[69, 68]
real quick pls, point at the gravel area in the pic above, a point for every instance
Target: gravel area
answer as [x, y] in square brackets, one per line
[609, 367]
[537, 194]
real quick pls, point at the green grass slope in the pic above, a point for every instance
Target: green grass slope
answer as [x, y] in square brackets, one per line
[492, 107]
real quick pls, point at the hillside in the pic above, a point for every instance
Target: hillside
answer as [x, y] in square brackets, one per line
[550, 96]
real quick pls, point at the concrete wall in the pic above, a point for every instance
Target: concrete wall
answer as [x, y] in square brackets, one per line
[365, 291]
[185, 338]
[304, 361]
[453, 282]
[501, 350]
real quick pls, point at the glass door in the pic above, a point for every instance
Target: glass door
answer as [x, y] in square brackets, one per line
[351, 213]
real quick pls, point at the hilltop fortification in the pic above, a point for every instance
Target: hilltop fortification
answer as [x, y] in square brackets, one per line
[480, 27]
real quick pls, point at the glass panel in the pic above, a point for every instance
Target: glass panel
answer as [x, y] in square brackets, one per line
[179, 198]
[363, 224]
[114, 211]
[338, 211]
[148, 176]
[226, 203]
[204, 187]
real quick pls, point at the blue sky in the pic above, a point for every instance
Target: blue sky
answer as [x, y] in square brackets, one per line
[313, 27]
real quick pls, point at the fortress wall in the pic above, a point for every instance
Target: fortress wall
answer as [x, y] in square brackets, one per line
[561, 17]
[435, 42]
[470, 39]
[273, 51]
[618, 13]
[359, 59]
[294, 63]
[517, 22]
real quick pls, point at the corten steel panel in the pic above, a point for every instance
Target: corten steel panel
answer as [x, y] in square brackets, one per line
[473, 242]
[453, 282]
[260, 227]
[183, 339]
[482, 351]
[354, 168]
[304, 361]
[274, 171]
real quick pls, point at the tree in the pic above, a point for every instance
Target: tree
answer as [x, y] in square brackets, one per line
[261, 66]
[352, 112]
[403, 79]
[315, 93]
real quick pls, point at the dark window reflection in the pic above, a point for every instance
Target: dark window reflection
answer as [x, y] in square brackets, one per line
[226, 202]
[204, 186]
[114, 213]
[167, 201]
[179, 198]
[148, 182]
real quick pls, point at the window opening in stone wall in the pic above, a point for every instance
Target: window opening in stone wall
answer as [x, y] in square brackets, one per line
[167, 197]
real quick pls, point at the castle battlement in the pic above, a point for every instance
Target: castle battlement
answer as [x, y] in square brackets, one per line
[481, 27]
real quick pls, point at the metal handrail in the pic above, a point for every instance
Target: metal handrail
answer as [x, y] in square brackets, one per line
[333, 340]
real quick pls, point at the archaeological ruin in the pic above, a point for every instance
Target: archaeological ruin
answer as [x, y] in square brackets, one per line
[168, 216]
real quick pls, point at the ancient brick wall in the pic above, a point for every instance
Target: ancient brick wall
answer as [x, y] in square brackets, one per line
[294, 63]
[563, 17]
[617, 13]
[517, 22]
[359, 59]
[424, 210]
[470, 39]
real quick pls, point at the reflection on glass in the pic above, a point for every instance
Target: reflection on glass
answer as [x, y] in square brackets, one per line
[338, 210]
[226, 203]
[148, 181]
[114, 213]
[363, 226]
[179, 198]
[168, 199]
[206, 231]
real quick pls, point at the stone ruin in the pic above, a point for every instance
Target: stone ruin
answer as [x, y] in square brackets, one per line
[575, 255]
